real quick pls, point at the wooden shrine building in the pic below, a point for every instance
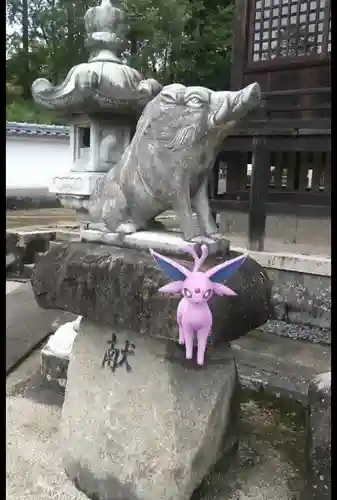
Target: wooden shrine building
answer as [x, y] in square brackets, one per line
[285, 46]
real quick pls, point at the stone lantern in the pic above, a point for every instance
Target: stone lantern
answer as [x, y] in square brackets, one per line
[102, 100]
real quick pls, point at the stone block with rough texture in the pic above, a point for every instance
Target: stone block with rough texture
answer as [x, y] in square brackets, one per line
[151, 432]
[25, 247]
[306, 296]
[318, 446]
[53, 366]
[119, 287]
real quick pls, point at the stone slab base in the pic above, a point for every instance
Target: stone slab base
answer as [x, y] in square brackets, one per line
[149, 432]
[170, 242]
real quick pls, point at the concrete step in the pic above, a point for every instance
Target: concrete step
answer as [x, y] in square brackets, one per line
[278, 365]
[26, 323]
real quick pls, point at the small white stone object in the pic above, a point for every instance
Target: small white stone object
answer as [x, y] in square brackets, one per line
[61, 343]
[323, 381]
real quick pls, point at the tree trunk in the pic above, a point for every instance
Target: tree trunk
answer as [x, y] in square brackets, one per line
[70, 34]
[25, 47]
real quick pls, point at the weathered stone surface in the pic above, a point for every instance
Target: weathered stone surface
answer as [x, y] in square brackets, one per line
[168, 242]
[151, 433]
[56, 353]
[308, 297]
[24, 247]
[279, 366]
[118, 287]
[318, 451]
[169, 160]
[53, 366]
[104, 82]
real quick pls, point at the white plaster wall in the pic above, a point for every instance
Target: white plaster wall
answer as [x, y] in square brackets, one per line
[31, 162]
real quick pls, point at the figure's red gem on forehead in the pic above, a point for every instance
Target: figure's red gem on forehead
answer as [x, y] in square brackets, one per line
[197, 290]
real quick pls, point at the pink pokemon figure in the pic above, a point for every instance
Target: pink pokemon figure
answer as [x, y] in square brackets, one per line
[197, 287]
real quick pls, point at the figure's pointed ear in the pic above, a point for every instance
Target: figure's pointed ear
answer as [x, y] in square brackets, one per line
[175, 271]
[220, 289]
[222, 272]
[173, 287]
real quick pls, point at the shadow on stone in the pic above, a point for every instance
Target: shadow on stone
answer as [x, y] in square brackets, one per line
[37, 389]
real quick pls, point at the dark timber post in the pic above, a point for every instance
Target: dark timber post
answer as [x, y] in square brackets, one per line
[258, 195]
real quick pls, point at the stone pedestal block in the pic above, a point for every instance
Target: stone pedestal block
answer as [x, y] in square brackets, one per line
[139, 421]
[149, 430]
[119, 287]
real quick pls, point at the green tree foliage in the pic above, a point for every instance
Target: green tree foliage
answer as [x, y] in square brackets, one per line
[186, 41]
[183, 41]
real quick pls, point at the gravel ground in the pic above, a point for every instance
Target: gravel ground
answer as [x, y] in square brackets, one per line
[298, 332]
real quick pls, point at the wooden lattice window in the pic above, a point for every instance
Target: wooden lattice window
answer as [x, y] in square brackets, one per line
[291, 28]
[329, 34]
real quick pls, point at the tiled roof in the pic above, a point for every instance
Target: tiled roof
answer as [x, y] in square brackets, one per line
[35, 129]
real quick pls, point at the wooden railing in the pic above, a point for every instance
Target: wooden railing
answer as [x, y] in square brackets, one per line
[250, 176]
[292, 109]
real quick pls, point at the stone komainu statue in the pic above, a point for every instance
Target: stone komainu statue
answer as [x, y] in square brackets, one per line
[168, 162]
